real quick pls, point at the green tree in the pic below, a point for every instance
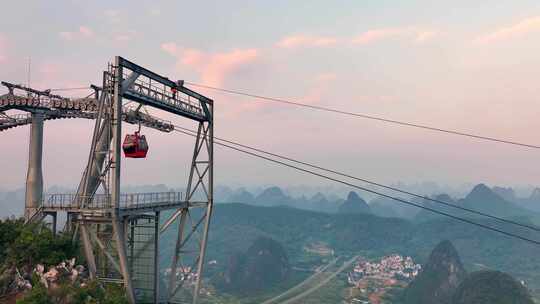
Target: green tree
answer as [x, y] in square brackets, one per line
[9, 231]
[38, 295]
[34, 243]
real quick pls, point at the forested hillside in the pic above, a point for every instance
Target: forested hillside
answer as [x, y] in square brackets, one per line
[236, 226]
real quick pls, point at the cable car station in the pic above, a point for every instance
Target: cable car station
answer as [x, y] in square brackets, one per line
[120, 232]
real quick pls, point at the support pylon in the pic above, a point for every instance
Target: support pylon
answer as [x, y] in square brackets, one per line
[34, 176]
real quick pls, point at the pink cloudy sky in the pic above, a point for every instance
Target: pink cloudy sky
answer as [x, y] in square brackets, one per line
[468, 67]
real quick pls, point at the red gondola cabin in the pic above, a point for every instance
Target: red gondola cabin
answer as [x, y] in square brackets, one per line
[135, 146]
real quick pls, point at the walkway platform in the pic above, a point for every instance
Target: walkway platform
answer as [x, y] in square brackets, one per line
[130, 204]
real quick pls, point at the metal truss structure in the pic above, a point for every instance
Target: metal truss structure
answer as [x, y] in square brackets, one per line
[122, 234]
[41, 106]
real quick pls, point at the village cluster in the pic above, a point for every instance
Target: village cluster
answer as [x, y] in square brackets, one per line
[389, 267]
[183, 274]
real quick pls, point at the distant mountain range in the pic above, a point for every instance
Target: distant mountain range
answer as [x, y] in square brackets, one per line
[275, 196]
[481, 199]
[532, 202]
[498, 201]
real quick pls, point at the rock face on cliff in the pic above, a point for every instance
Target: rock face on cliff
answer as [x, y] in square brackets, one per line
[491, 287]
[263, 265]
[354, 204]
[439, 278]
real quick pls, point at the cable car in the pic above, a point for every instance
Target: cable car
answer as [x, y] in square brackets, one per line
[135, 146]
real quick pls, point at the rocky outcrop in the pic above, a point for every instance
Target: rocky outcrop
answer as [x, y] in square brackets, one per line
[354, 204]
[65, 271]
[491, 287]
[262, 266]
[15, 281]
[439, 278]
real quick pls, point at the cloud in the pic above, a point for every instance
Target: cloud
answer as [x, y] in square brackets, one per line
[213, 67]
[325, 77]
[154, 12]
[319, 89]
[297, 41]
[424, 36]
[170, 48]
[378, 34]
[67, 35]
[125, 36]
[112, 15]
[58, 74]
[84, 32]
[519, 29]
[415, 34]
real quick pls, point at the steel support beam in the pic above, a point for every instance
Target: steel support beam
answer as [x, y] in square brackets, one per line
[88, 251]
[90, 181]
[156, 258]
[94, 176]
[118, 225]
[54, 223]
[176, 253]
[201, 180]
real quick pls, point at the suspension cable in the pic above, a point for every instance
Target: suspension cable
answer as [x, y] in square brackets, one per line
[371, 117]
[465, 220]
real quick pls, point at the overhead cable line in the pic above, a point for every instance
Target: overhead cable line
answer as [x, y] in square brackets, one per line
[374, 183]
[71, 89]
[465, 220]
[360, 115]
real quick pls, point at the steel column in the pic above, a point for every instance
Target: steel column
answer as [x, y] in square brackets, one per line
[54, 222]
[176, 258]
[34, 177]
[88, 251]
[118, 224]
[209, 208]
[156, 258]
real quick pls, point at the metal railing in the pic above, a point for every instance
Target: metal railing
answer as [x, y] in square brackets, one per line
[15, 117]
[76, 108]
[137, 200]
[11, 121]
[133, 116]
[104, 201]
[46, 102]
[144, 86]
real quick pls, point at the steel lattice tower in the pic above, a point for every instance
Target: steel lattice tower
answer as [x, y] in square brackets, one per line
[110, 232]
